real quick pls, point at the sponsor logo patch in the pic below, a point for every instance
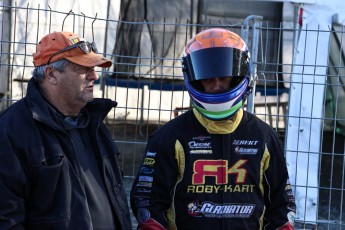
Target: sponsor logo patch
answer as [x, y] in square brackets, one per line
[143, 203]
[151, 154]
[246, 147]
[149, 161]
[143, 215]
[144, 190]
[145, 178]
[144, 184]
[246, 151]
[146, 170]
[212, 210]
[199, 145]
[201, 138]
[245, 142]
[201, 151]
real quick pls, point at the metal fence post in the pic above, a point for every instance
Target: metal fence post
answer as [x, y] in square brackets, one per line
[253, 48]
[5, 33]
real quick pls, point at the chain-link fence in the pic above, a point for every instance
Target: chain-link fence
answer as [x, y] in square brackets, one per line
[298, 93]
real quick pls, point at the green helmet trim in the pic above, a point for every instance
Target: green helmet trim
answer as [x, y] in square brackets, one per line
[220, 114]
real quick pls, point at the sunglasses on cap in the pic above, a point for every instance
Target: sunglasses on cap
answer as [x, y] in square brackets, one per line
[85, 46]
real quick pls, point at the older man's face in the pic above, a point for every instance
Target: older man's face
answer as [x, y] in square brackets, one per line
[76, 84]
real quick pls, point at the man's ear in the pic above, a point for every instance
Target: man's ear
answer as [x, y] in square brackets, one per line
[50, 75]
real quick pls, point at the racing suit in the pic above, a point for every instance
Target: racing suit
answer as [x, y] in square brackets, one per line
[202, 174]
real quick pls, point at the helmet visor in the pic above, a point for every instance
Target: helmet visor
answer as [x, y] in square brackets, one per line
[215, 62]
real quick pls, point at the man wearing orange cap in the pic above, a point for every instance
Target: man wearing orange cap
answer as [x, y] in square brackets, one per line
[58, 166]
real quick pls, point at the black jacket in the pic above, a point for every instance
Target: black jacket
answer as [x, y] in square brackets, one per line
[201, 174]
[40, 186]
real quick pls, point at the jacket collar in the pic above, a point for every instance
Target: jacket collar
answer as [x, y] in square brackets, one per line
[46, 113]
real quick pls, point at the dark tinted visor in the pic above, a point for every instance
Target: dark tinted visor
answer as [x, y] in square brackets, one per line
[215, 62]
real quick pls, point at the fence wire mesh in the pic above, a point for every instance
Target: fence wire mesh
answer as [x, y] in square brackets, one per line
[147, 82]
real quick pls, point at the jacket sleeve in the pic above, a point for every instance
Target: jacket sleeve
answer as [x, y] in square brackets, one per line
[151, 193]
[279, 199]
[12, 188]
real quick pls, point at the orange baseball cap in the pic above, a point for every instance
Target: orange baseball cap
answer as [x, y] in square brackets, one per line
[51, 49]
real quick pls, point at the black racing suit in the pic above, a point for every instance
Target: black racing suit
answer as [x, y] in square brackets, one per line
[202, 174]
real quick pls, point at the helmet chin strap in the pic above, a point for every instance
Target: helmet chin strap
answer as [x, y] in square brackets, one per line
[249, 91]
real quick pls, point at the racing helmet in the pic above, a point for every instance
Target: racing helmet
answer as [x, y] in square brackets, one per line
[213, 53]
